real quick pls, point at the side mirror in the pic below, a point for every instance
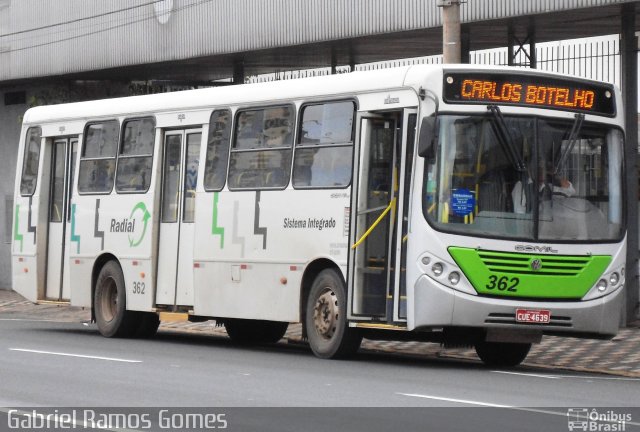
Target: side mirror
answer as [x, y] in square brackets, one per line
[428, 137]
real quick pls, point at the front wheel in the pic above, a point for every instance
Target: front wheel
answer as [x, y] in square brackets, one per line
[326, 323]
[502, 354]
[110, 305]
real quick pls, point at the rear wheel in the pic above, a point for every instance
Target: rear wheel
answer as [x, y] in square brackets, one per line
[502, 354]
[249, 332]
[110, 304]
[326, 323]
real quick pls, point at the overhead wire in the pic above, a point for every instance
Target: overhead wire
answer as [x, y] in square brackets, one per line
[49, 34]
[182, 8]
[79, 19]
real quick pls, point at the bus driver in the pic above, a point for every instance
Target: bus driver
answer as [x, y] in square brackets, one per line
[557, 185]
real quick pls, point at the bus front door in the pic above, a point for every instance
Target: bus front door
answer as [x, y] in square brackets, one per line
[63, 156]
[175, 244]
[379, 244]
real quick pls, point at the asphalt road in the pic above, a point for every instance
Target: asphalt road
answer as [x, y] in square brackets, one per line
[54, 364]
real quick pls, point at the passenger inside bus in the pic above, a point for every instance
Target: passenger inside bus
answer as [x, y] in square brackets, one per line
[548, 186]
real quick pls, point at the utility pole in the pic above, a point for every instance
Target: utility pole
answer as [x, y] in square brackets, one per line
[451, 47]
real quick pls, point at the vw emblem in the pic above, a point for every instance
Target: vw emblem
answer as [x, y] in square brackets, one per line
[536, 264]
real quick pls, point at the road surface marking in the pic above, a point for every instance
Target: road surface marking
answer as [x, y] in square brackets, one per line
[76, 355]
[492, 405]
[529, 374]
[462, 401]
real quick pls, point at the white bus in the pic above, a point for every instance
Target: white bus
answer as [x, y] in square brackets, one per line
[453, 204]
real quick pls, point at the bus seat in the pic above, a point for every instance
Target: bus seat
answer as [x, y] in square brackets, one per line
[494, 192]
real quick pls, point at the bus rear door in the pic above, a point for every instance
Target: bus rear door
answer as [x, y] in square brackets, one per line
[63, 156]
[175, 244]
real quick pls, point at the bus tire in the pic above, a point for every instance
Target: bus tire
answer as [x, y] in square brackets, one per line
[110, 304]
[148, 326]
[502, 354]
[327, 329]
[251, 332]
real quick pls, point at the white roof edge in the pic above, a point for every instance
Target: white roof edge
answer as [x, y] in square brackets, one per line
[342, 84]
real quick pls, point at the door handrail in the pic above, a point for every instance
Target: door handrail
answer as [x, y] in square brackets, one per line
[373, 225]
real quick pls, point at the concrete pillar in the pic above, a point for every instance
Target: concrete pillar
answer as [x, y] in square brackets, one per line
[334, 61]
[533, 56]
[451, 49]
[238, 72]
[511, 40]
[465, 46]
[629, 60]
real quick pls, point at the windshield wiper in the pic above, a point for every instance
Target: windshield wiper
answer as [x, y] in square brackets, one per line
[505, 138]
[573, 135]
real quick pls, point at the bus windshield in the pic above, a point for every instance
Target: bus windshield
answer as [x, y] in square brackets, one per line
[524, 177]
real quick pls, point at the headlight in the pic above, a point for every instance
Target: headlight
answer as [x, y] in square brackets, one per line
[437, 269]
[454, 278]
[601, 285]
[614, 278]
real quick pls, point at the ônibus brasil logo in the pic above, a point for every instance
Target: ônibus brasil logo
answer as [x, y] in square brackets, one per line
[128, 225]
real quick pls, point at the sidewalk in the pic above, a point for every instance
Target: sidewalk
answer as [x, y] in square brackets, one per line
[620, 356]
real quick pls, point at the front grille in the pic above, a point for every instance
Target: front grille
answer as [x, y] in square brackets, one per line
[510, 318]
[550, 265]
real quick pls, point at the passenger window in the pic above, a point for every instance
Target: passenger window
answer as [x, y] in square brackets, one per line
[324, 151]
[215, 171]
[261, 154]
[191, 176]
[30, 162]
[136, 156]
[98, 160]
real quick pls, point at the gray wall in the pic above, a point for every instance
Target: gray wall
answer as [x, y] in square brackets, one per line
[199, 28]
[10, 117]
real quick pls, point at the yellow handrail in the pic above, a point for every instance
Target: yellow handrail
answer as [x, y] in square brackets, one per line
[373, 225]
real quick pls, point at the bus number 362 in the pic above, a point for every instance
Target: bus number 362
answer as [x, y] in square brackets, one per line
[138, 287]
[503, 283]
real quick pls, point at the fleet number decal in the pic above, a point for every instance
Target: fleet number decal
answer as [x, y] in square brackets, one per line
[138, 287]
[503, 283]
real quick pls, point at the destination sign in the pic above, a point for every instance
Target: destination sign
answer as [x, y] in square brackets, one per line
[529, 90]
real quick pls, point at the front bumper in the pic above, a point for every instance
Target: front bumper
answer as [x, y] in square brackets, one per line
[436, 305]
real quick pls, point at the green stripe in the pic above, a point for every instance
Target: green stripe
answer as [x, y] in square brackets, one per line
[16, 235]
[215, 229]
[559, 277]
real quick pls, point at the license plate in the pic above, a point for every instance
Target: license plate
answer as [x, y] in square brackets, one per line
[535, 316]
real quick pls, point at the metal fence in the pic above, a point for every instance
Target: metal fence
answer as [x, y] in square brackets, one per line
[592, 58]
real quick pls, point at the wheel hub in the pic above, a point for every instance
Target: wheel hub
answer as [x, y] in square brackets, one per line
[326, 313]
[109, 300]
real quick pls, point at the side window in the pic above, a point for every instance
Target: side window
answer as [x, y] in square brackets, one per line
[30, 161]
[324, 150]
[261, 153]
[98, 160]
[136, 156]
[215, 170]
[191, 176]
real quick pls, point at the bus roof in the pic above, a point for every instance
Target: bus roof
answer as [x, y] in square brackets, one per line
[340, 85]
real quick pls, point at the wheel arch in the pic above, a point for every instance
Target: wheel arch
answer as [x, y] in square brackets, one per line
[97, 267]
[311, 271]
